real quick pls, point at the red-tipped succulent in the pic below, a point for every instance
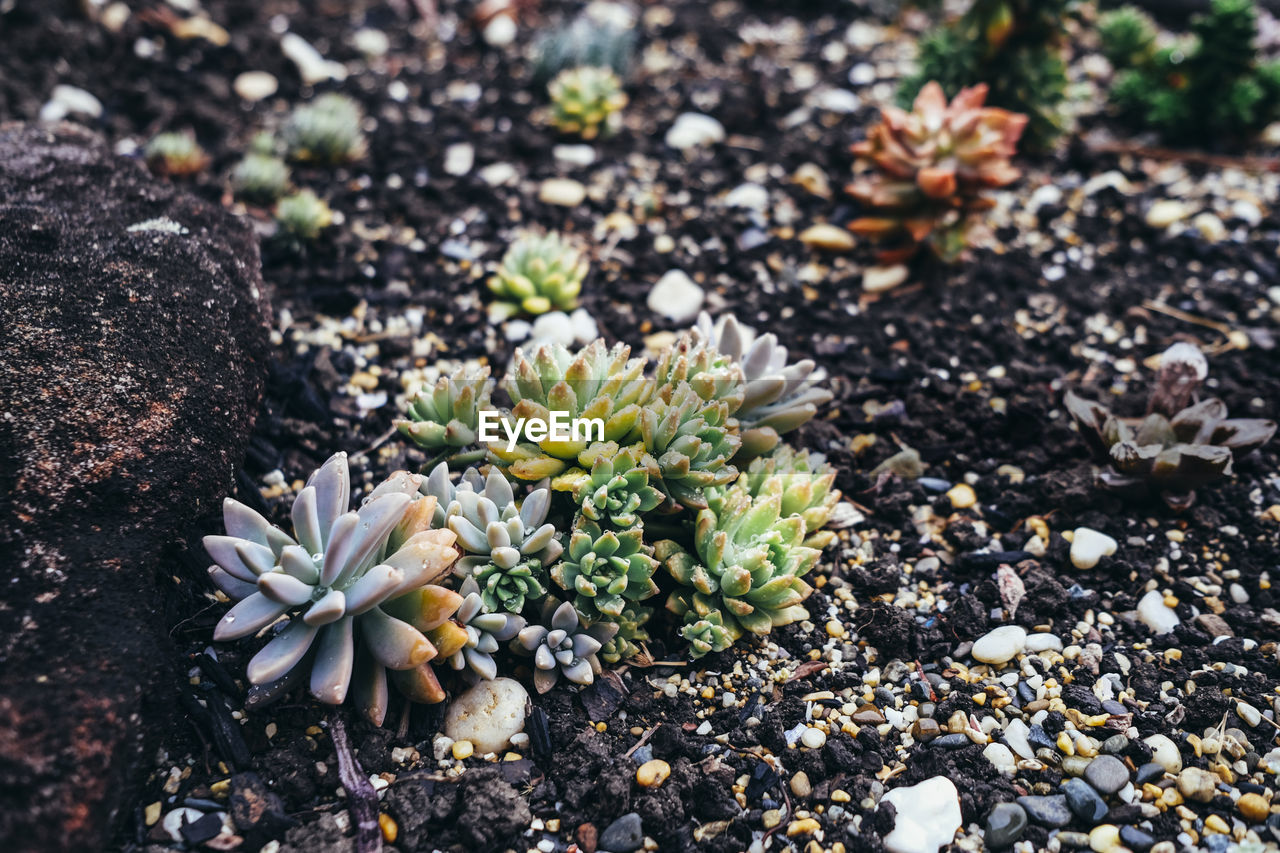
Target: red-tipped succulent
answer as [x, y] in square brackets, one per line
[924, 172]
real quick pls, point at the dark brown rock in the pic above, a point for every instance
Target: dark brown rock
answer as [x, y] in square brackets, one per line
[132, 366]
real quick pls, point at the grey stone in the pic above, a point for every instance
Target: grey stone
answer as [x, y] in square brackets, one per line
[623, 835]
[1005, 825]
[1107, 773]
[1051, 811]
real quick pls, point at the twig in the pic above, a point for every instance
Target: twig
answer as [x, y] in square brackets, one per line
[644, 738]
[1217, 161]
[376, 443]
[362, 800]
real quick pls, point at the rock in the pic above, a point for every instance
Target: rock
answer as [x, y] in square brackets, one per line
[1104, 838]
[254, 86]
[1107, 773]
[70, 101]
[487, 714]
[1089, 546]
[800, 785]
[1042, 642]
[574, 155]
[830, 238]
[837, 101]
[1084, 801]
[1253, 807]
[1050, 811]
[1155, 614]
[501, 31]
[584, 326]
[373, 43]
[1165, 212]
[676, 297]
[158, 341]
[1005, 825]
[1001, 758]
[877, 279]
[693, 130]
[623, 835]
[1016, 737]
[962, 496]
[1135, 839]
[179, 819]
[459, 158]
[1000, 645]
[1210, 227]
[565, 192]
[1196, 784]
[1165, 753]
[652, 773]
[927, 816]
[499, 174]
[813, 738]
[312, 67]
[1249, 714]
[748, 196]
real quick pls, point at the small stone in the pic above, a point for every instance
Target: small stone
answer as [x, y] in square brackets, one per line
[1136, 839]
[653, 773]
[565, 192]
[878, 279]
[1148, 772]
[1104, 838]
[962, 496]
[800, 785]
[623, 835]
[254, 86]
[1089, 546]
[1050, 811]
[1005, 825]
[175, 820]
[692, 130]
[1155, 614]
[676, 297]
[1215, 823]
[70, 100]
[499, 174]
[488, 714]
[574, 155]
[1165, 753]
[1040, 642]
[1107, 773]
[1084, 801]
[749, 197]
[463, 749]
[1196, 784]
[928, 815]
[771, 818]
[373, 43]
[312, 67]
[1210, 227]
[500, 31]
[804, 826]
[867, 715]
[925, 729]
[813, 738]
[1253, 807]
[1249, 714]
[1000, 645]
[1001, 758]
[1016, 737]
[831, 238]
[1165, 212]
[459, 158]
[553, 327]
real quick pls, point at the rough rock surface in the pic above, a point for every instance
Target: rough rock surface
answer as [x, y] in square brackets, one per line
[133, 359]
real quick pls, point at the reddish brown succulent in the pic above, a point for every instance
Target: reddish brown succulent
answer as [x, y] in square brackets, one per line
[924, 171]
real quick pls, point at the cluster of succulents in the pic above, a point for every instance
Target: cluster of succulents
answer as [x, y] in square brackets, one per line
[449, 570]
[175, 154]
[1015, 47]
[260, 178]
[326, 131]
[303, 215]
[925, 172]
[1205, 89]
[1179, 446]
[586, 101]
[538, 273]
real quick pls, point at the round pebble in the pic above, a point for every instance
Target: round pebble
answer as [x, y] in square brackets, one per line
[1107, 774]
[1088, 546]
[1104, 838]
[1253, 807]
[653, 773]
[1005, 825]
[1165, 753]
[1196, 784]
[1000, 645]
[1084, 801]
[487, 715]
[254, 86]
[813, 738]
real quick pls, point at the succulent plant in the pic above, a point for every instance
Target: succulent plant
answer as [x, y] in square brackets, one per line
[617, 490]
[584, 41]
[1128, 36]
[804, 481]
[586, 101]
[447, 416]
[746, 570]
[325, 131]
[624, 644]
[777, 397]
[595, 383]
[605, 570]
[339, 577]
[485, 632]
[563, 645]
[538, 273]
[1179, 446]
[707, 633]
[688, 445]
[303, 215]
[260, 178]
[925, 171]
[175, 155]
[508, 546]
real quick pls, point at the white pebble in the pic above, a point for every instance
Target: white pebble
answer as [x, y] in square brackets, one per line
[1000, 645]
[488, 714]
[813, 738]
[1001, 757]
[676, 296]
[1089, 546]
[254, 86]
[1165, 753]
[312, 67]
[1155, 614]
[928, 815]
[691, 130]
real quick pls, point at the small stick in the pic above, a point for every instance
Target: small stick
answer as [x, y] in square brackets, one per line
[644, 738]
[362, 800]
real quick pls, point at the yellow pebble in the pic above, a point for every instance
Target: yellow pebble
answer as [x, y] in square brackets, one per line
[653, 773]
[839, 796]
[806, 826]
[1213, 823]
[1064, 743]
[602, 727]
[221, 789]
[835, 629]
[388, 827]
[152, 813]
[708, 692]
[771, 818]
[1171, 601]
[1253, 807]
[1104, 837]
[463, 749]
[962, 496]
[979, 698]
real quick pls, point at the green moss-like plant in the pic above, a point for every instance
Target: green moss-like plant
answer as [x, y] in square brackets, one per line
[1013, 46]
[177, 155]
[303, 215]
[1202, 91]
[540, 272]
[260, 179]
[325, 131]
[586, 101]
